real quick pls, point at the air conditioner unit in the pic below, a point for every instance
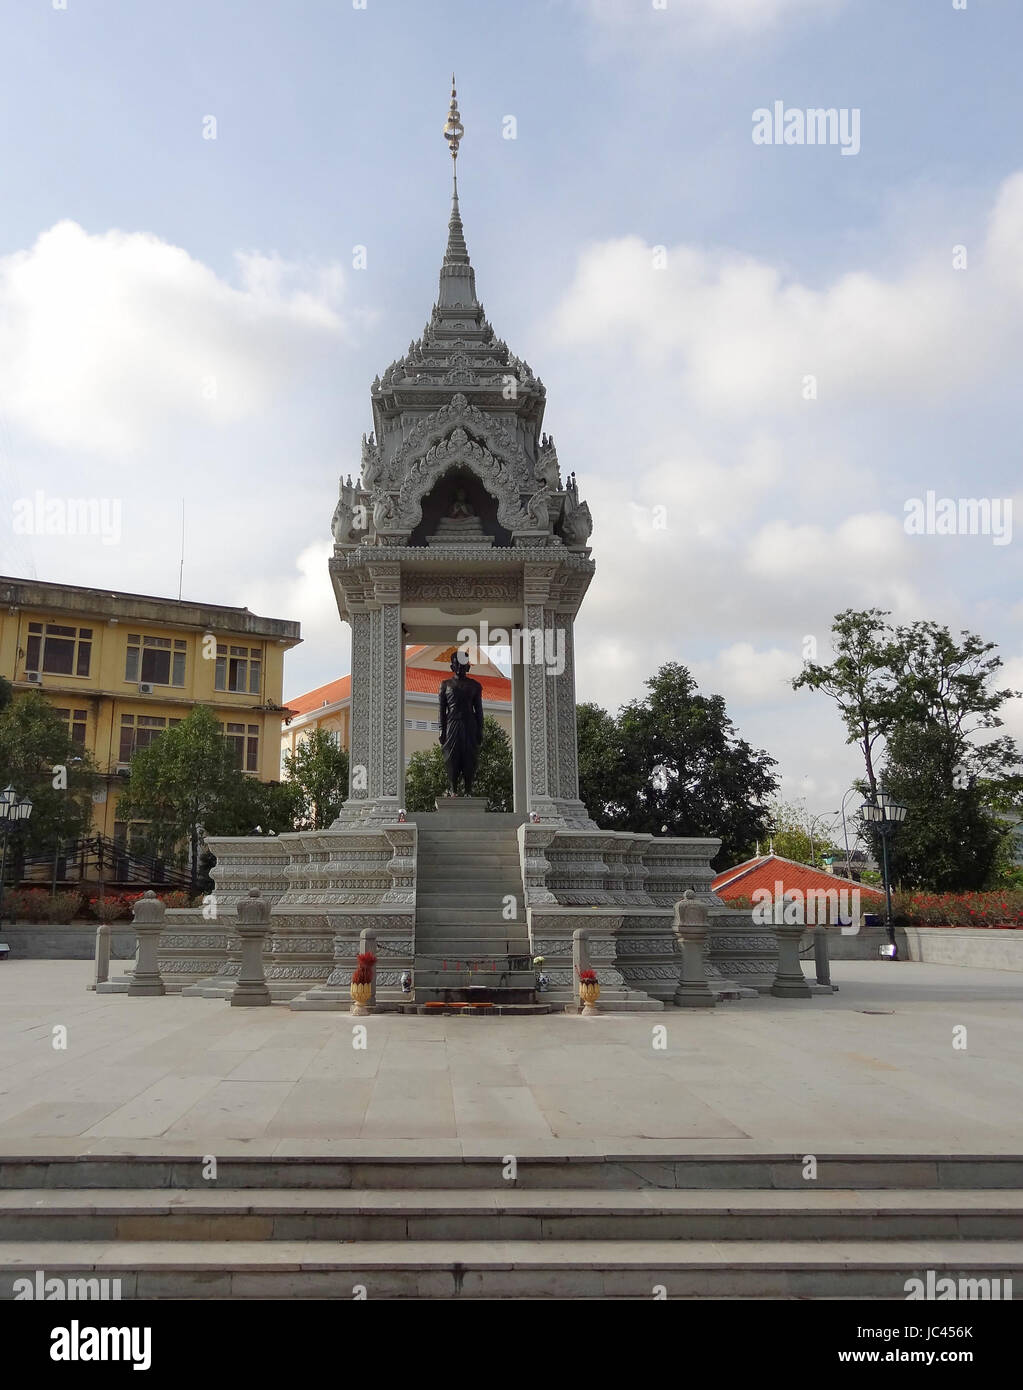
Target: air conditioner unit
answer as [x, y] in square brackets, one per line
[32, 677]
[145, 688]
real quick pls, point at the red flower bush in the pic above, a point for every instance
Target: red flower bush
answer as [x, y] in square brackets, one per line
[998, 909]
[587, 977]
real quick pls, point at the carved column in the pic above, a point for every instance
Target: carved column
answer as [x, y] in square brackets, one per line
[359, 741]
[387, 693]
[520, 747]
[539, 789]
[568, 754]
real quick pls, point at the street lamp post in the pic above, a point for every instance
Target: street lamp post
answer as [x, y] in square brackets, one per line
[14, 811]
[885, 813]
[823, 816]
[853, 791]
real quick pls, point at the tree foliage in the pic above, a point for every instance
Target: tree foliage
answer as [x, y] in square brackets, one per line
[39, 759]
[426, 777]
[186, 783]
[672, 763]
[318, 768]
[861, 680]
[925, 702]
[794, 834]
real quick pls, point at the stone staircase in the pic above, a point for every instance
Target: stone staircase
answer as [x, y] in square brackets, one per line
[467, 948]
[700, 1226]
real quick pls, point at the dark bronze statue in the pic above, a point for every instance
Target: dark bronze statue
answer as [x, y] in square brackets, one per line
[461, 723]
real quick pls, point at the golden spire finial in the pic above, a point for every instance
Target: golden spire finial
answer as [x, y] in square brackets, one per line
[453, 128]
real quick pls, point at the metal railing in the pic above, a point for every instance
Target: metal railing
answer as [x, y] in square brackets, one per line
[94, 859]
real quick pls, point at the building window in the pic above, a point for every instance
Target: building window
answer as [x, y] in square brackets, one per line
[244, 741]
[76, 720]
[138, 731]
[422, 724]
[238, 669]
[57, 650]
[155, 660]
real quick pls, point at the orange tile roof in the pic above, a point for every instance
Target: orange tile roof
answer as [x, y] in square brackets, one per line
[419, 680]
[423, 681]
[323, 695]
[743, 880]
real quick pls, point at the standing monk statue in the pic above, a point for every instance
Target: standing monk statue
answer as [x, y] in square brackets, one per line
[461, 723]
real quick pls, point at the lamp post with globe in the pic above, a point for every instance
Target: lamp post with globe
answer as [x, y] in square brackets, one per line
[884, 814]
[14, 812]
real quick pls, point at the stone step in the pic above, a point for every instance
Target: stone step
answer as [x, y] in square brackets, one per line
[448, 822]
[482, 945]
[467, 893]
[426, 977]
[448, 859]
[512, 1269]
[475, 995]
[556, 1214]
[429, 914]
[477, 831]
[767, 1175]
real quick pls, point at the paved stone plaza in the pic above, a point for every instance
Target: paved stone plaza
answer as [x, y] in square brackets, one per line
[872, 1068]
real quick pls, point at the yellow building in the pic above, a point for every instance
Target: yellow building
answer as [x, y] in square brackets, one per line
[329, 707]
[121, 668]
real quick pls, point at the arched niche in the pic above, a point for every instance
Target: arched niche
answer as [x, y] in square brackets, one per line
[441, 501]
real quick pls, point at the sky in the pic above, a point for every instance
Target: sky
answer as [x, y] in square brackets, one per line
[219, 221]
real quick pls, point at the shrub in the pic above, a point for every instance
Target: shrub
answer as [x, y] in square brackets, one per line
[996, 909]
[178, 898]
[62, 907]
[27, 904]
[110, 908]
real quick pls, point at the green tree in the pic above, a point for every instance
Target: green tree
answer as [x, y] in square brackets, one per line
[319, 770]
[926, 701]
[676, 766]
[39, 759]
[426, 777]
[609, 772]
[952, 836]
[956, 776]
[263, 808]
[861, 680]
[789, 833]
[186, 783]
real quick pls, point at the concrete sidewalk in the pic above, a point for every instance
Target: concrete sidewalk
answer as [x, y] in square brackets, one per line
[873, 1068]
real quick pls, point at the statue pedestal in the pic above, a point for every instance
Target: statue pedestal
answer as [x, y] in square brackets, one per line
[461, 805]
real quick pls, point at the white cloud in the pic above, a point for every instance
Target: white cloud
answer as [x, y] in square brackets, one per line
[702, 20]
[108, 340]
[738, 334]
[780, 512]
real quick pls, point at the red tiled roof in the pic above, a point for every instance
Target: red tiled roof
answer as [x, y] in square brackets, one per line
[743, 880]
[323, 695]
[423, 681]
[420, 680]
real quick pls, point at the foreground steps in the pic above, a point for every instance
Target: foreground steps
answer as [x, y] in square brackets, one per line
[573, 1226]
[396, 1214]
[516, 1269]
